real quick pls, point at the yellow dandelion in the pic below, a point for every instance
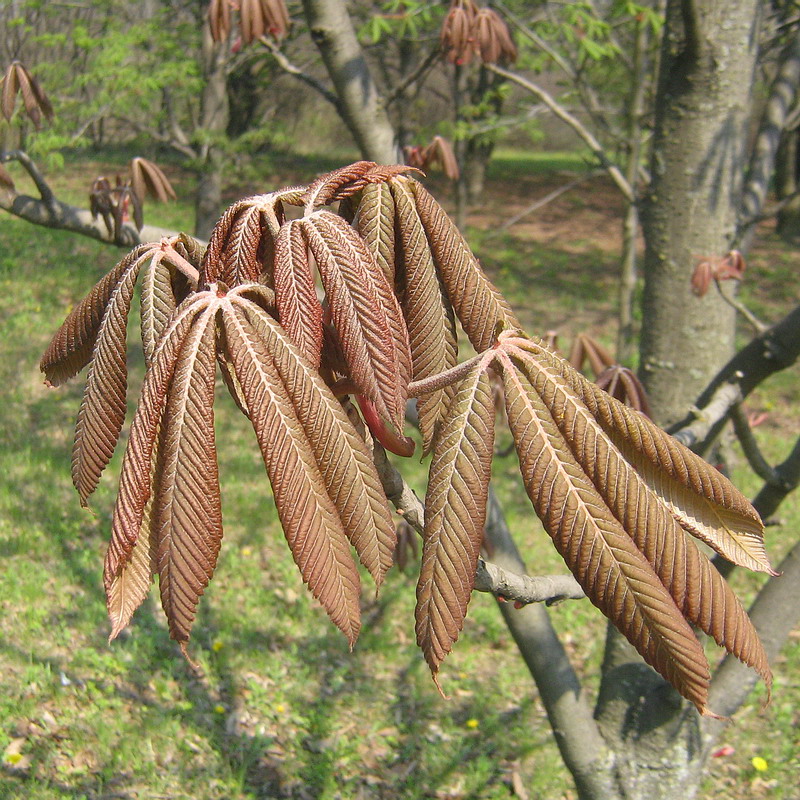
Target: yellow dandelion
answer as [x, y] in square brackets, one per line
[13, 758]
[280, 708]
[759, 764]
[217, 646]
[472, 723]
[219, 709]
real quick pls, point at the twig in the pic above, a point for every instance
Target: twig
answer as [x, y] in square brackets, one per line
[550, 197]
[292, 69]
[422, 67]
[594, 145]
[744, 433]
[522, 589]
[490, 578]
[719, 406]
[45, 192]
[758, 326]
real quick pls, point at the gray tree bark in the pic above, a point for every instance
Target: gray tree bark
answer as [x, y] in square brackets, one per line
[704, 94]
[360, 103]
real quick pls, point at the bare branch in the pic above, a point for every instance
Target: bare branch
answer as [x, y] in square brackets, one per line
[565, 116]
[549, 197]
[706, 418]
[289, 68]
[524, 589]
[413, 76]
[781, 99]
[50, 212]
[744, 433]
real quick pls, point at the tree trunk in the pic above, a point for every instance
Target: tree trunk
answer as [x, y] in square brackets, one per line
[214, 115]
[703, 104]
[707, 70]
[786, 183]
[360, 104]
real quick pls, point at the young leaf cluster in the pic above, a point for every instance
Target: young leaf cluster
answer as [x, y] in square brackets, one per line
[297, 309]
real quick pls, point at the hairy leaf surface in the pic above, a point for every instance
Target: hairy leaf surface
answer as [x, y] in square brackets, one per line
[374, 220]
[347, 181]
[615, 575]
[308, 516]
[343, 458]
[703, 500]
[365, 312]
[428, 313]
[158, 303]
[103, 408]
[455, 513]
[129, 588]
[299, 309]
[70, 350]
[135, 484]
[697, 588]
[187, 514]
[478, 304]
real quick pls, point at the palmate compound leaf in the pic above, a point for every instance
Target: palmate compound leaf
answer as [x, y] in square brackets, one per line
[427, 310]
[324, 483]
[455, 513]
[615, 575]
[705, 502]
[238, 249]
[126, 578]
[698, 590]
[365, 312]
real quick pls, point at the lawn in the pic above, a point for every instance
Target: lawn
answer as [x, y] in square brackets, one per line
[279, 707]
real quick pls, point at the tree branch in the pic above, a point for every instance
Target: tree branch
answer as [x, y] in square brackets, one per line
[489, 577]
[772, 351]
[50, 212]
[289, 68]
[781, 99]
[576, 125]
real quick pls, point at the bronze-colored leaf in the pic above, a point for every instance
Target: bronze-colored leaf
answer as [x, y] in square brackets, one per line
[341, 454]
[651, 520]
[307, 513]
[455, 513]
[236, 248]
[102, 411]
[346, 181]
[131, 585]
[365, 312]
[706, 503]
[428, 313]
[299, 309]
[374, 220]
[71, 348]
[478, 304]
[135, 484]
[10, 89]
[148, 178]
[158, 303]
[219, 19]
[613, 572]
[187, 514]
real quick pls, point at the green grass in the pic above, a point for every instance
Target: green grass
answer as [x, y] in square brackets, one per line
[279, 707]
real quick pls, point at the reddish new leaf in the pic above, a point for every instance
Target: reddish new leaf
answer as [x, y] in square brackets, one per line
[455, 512]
